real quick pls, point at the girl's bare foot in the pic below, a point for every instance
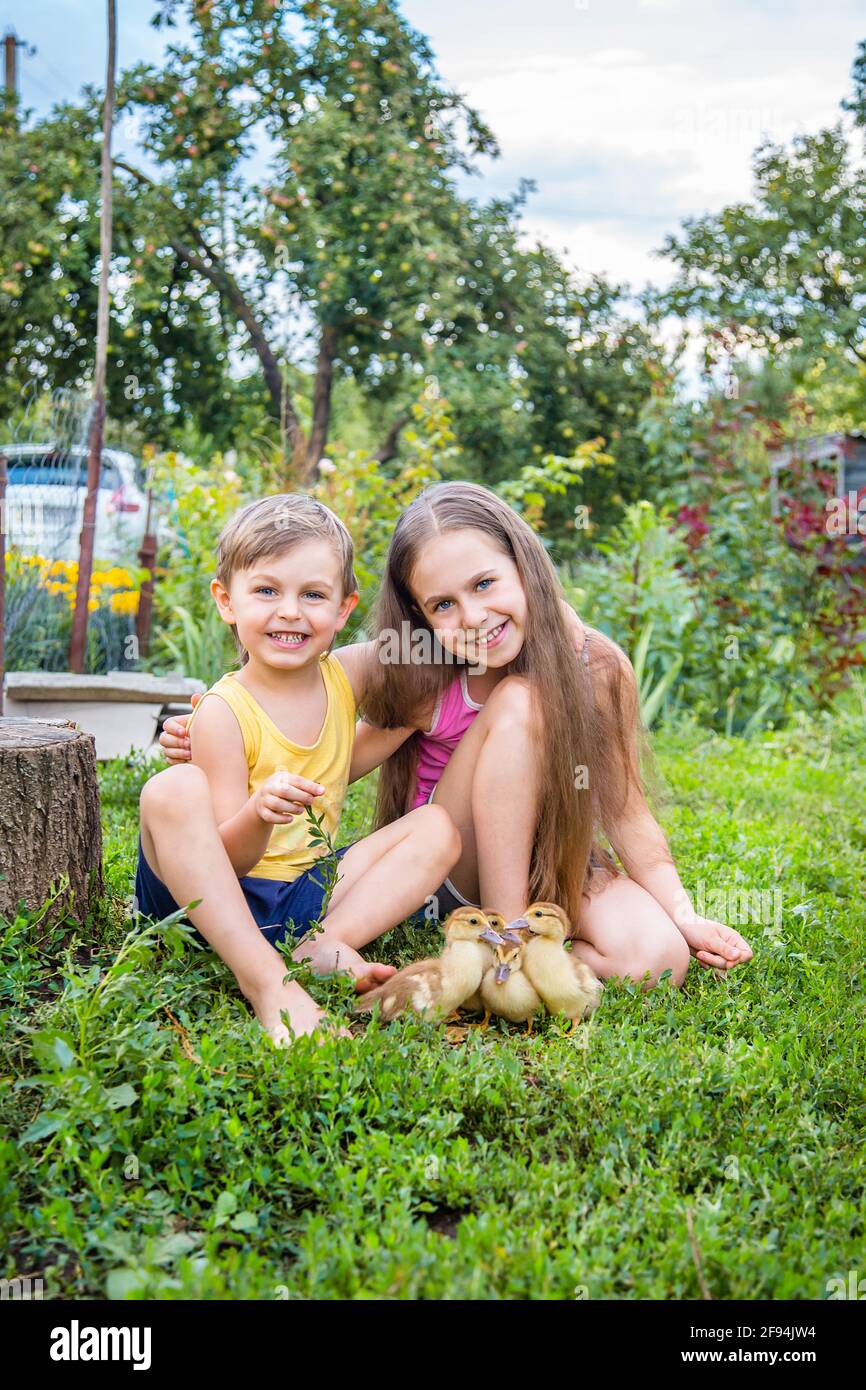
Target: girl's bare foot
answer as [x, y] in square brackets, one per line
[303, 1013]
[326, 955]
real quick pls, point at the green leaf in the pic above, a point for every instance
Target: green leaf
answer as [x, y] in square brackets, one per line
[46, 1123]
[244, 1221]
[225, 1206]
[53, 1049]
[651, 705]
[119, 1096]
[63, 1053]
[641, 650]
[173, 1246]
[123, 1283]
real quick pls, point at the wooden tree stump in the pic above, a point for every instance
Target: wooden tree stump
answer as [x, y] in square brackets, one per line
[49, 815]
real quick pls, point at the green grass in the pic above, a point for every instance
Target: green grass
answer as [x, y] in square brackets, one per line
[397, 1165]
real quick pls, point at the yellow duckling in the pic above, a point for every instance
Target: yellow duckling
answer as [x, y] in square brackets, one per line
[564, 981]
[475, 1004]
[506, 990]
[435, 987]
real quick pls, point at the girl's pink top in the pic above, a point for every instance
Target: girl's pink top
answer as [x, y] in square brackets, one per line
[452, 716]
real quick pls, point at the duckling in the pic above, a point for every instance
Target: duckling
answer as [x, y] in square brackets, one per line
[475, 1004]
[505, 989]
[435, 987]
[564, 982]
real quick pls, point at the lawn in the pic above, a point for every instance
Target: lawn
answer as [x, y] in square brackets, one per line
[706, 1140]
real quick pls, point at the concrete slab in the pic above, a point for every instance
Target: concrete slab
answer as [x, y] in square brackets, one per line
[121, 709]
[134, 687]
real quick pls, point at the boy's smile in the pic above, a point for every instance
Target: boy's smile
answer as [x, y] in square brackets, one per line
[287, 608]
[289, 639]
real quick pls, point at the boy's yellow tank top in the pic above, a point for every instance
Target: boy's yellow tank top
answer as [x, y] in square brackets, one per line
[326, 761]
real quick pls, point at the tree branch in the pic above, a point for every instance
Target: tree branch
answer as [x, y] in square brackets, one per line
[388, 449]
[208, 265]
[321, 400]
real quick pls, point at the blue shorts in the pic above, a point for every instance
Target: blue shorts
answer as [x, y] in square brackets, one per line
[280, 909]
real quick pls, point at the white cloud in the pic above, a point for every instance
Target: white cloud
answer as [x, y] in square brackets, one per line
[629, 116]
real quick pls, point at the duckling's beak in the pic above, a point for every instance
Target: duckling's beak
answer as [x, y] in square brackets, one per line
[491, 935]
[502, 973]
[512, 931]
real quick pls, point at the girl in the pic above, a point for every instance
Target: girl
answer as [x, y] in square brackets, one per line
[535, 755]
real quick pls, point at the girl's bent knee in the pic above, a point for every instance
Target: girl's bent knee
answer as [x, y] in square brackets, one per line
[439, 832]
[675, 956]
[671, 954]
[511, 698]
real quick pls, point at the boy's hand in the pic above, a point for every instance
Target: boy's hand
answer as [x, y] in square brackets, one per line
[174, 739]
[715, 945]
[284, 796]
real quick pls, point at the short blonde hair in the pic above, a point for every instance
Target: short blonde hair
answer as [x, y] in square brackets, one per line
[274, 526]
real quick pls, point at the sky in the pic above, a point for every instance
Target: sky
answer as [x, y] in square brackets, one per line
[629, 115]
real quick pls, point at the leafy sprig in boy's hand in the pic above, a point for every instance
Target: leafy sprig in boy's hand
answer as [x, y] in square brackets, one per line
[283, 796]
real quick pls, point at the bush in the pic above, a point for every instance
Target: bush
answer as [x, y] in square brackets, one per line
[198, 503]
[366, 495]
[766, 611]
[40, 599]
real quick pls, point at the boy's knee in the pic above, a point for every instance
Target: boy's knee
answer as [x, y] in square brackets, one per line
[172, 789]
[440, 832]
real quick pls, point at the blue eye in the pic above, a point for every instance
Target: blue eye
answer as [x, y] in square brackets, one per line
[441, 604]
[264, 589]
[484, 581]
[311, 593]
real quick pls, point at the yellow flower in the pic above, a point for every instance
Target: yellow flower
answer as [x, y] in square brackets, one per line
[116, 578]
[92, 605]
[126, 602]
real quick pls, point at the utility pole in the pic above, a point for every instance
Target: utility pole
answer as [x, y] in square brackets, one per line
[11, 45]
[3, 479]
[78, 643]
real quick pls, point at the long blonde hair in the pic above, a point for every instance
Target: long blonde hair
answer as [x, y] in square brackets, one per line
[585, 744]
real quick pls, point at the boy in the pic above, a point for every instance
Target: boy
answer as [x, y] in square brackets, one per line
[268, 741]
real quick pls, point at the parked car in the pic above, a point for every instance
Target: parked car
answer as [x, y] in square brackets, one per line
[45, 502]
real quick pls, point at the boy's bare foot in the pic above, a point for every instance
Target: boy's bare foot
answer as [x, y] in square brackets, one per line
[303, 1013]
[326, 955]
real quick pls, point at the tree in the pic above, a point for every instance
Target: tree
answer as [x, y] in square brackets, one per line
[534, 359]
[49, 239]
[788, 270]
[288, 219]
[350, 228]
[168, 353]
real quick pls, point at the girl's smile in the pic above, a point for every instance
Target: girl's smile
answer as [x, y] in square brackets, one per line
[494, 635]
[471, 594]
